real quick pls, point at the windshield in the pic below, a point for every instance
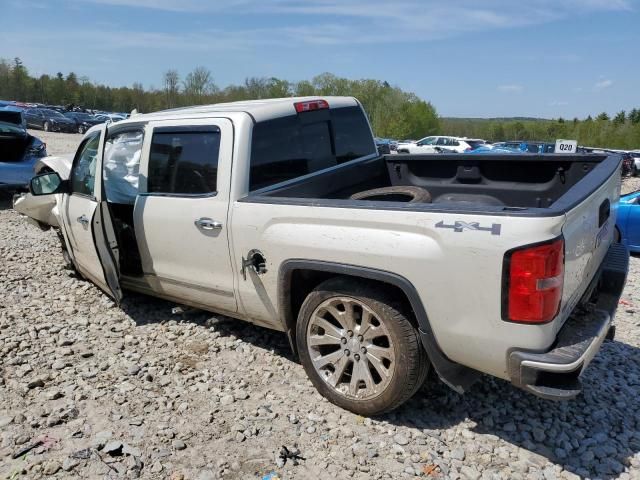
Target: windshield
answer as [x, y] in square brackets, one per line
[11, 129]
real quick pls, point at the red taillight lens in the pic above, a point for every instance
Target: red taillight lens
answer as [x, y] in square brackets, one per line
[536, 275]
[310, 105]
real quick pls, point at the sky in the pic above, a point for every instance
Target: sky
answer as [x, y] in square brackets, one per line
[469, 58]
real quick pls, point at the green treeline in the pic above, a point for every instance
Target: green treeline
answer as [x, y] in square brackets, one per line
[393, 112]
[621, 131]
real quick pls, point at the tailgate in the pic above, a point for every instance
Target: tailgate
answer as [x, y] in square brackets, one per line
[588, 231]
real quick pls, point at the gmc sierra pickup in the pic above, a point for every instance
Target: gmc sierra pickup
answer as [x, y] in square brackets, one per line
[378, 268]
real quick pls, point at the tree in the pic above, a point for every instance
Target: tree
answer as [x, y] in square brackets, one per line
[171, 87]
[198, 83]
[603, 117]
[620, 118]
[20, 77]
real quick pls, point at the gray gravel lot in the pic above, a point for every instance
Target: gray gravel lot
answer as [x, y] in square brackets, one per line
[137, 391]
[58, 143]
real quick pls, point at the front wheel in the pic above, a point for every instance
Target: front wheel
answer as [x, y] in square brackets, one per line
[358, 347]
[45, 126]
[80, 129]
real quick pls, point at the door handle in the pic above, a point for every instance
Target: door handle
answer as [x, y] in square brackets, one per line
[208, 224]
[83, 219]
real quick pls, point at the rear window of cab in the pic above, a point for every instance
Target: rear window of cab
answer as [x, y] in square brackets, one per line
[296, 145]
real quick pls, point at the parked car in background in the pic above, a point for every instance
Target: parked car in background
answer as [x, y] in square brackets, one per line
[628, 223]
[495, 149]
[19, 151]
[49, 120]
[635, 169]
[383, 145]
[83, 121]
[627, 164]
[442, 144]
[109, 118]
[528, 146]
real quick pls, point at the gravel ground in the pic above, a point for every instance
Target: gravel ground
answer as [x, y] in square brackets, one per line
[139, 391]
[58, 143]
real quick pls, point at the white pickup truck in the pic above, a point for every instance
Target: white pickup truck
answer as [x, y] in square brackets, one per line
[378, 268]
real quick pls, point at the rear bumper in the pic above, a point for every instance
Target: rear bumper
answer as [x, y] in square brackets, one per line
[555, 374]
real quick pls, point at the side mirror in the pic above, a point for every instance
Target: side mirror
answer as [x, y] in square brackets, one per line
[47, 184]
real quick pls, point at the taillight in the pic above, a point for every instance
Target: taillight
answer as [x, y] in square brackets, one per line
[310, 105]
[534, 277]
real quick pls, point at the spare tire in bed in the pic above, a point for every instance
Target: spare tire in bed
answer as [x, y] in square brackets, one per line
[400, 193]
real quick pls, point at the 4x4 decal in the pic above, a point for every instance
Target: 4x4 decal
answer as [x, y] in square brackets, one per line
[460, 226]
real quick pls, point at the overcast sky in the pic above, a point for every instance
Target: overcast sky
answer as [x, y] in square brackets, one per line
[472, 58]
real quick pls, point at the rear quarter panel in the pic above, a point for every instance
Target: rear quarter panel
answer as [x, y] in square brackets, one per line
[458, 274]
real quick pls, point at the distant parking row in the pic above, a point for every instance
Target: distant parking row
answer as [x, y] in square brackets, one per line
[449, 144]
[54, 118]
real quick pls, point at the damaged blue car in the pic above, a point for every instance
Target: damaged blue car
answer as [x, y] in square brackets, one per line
[19, 151]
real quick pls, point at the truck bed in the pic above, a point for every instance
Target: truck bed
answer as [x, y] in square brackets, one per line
[546, 184]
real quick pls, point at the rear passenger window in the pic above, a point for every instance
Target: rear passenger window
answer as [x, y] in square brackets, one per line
[296, 145]
[184, 161]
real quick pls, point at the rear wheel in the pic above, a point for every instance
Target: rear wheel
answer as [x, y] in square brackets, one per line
[359, 348]
[80, 129]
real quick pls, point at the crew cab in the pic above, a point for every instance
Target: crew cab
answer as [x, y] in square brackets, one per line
[377, 267]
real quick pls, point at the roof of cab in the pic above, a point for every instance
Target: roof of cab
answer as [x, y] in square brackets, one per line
[260, 110]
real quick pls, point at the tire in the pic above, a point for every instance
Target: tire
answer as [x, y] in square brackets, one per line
[80, 129]
[400, 193]
[45, 126]
[385, 381]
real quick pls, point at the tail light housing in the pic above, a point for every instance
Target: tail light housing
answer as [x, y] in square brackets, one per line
[533, 281]
[311, 105]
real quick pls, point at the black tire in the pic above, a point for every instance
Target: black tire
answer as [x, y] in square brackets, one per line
[400, 193]
[411, 364]
[45, 126]
[80, 129]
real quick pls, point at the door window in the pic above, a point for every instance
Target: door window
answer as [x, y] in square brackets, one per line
[184, 161]
[428, 141]
[84, 167]
[122, 152]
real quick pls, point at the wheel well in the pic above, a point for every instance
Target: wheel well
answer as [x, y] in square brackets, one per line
[302, 281]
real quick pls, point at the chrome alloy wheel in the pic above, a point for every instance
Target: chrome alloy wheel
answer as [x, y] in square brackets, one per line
[351, 349]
